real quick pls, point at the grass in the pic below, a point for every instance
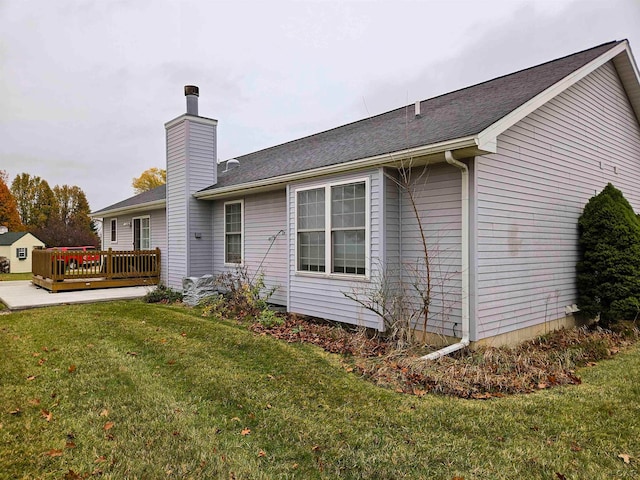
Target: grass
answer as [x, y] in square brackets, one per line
[155, 391]
[8, 277]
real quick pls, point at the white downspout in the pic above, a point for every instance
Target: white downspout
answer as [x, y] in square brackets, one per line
[464, 341]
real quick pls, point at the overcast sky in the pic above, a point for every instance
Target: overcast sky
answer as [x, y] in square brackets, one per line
[86, 86]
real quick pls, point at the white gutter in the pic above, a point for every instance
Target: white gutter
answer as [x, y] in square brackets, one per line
[464, 341]
[375, 161]
[130, 209]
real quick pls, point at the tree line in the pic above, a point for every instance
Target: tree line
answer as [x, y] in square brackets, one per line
[58, 216]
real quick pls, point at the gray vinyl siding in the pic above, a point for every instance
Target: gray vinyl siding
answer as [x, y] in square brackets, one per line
[176, 205]
[437, 192]
[265, 215]
[392, 224]
[158, 234]
[531, 193]
[201, 170]
[321, 295]
[191, 166]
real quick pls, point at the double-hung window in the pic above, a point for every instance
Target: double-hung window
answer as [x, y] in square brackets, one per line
[233, 221]
[21, 253]
[332, 228]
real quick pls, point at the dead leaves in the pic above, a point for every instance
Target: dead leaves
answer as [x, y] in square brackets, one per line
[72, 368]
[245, 432]
[54, 453]
[625, 458]
[108, 426]
[47, 415]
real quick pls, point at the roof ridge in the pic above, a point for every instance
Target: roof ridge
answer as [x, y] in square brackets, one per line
[404, 107]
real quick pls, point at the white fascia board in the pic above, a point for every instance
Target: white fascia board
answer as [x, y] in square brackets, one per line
[628, 73]
[140, 207]
[193, 118]
[490, 134]
[375, 161]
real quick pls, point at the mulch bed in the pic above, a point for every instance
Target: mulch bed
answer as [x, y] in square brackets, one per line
[487, 372]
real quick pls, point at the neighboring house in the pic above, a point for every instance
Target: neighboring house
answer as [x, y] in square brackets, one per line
[17, 247]
[500, 173]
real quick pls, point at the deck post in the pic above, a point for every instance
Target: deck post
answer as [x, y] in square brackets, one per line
[109, 265]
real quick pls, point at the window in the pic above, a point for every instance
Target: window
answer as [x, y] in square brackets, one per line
[114, 230]
[233, 227]
[141, 233]
[342, 241]
[21, 253]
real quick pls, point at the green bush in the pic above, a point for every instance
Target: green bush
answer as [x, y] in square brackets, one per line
[270, 319]
[608, 272]
[162, 294]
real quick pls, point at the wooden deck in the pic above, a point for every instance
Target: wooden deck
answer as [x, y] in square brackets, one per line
[82, 270]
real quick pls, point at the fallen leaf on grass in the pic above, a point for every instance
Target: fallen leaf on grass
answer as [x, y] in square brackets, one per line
[45, 349]
[261, 453]
[36, 354]
[17, 411]
[34, 401]
[171, 362]
[71, 475]
[72, 368]
[183, 334]
[54, 453]
[133, 354]
[41, 361]
[575, 447]
[108, 425]
[104, 413]
[70, 445]
[31, 377]
[46, 415]
[245, 431]
[591, 364]
[100, 459]
[625, 458]
[235, 419]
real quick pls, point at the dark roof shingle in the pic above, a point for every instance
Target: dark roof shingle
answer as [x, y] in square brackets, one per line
[453, 115]
[9, 238]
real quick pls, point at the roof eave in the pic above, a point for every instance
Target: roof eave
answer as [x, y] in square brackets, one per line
[129, 209]
[490, 133]
[468, 146]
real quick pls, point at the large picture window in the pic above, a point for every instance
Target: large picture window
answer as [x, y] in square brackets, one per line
[233, 220]
[332, 228]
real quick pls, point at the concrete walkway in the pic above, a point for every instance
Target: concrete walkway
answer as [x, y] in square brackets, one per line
[18, 295]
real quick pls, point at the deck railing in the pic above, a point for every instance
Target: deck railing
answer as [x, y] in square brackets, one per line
[94, 268]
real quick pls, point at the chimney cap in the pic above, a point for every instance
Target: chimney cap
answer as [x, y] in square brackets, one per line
[191, 90]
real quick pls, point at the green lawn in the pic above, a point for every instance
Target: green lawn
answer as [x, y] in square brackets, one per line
[131, 390]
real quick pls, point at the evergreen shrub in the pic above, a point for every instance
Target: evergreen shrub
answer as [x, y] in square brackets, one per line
[608, 272]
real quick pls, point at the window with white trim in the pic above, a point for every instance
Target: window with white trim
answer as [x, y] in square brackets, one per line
[21, 253]
[141, 233]
[332, 228]
[114, 230]
[233, 229]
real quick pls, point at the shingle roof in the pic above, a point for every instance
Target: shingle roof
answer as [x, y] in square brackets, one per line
[457, 114]
[153, 195]
[454, 115]
[9, 238]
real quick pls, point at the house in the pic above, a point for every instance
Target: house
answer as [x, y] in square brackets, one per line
[498, 174]
[17, 247]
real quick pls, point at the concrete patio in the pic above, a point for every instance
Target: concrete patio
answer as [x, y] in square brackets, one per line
[19, 295]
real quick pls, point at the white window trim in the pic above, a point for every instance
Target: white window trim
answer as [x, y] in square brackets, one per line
[224, 222]
[133, 227]
[111, 240]
[20, 250]
[327, 230]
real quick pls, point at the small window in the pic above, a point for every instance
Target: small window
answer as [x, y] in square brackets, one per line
[233, 221]
[21, 253]
[114, 230]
